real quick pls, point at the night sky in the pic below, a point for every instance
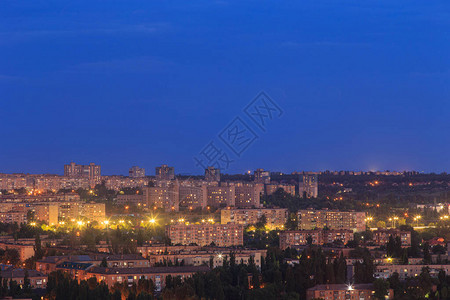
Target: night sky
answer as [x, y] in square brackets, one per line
[363, 85]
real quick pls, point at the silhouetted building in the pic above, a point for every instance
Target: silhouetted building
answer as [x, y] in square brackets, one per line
[262, 176]
[136, 172]
[212, 174]
[165, 172]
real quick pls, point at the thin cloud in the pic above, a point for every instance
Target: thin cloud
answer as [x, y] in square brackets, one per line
[23, 35]
[293, 44]
[4, 77]
[127, 65]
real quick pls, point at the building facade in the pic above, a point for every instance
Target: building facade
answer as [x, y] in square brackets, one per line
[308, 186]
[165, 172]
[91, 172]
[275, 217]
[332, 219]
[223, 235]
[381, 236]
[212, 174]
[317, 237]
[136, 172]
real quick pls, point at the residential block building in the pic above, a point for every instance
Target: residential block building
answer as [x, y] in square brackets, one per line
[275, 217]
[332, 219]
[212, 174]
[318, 237]
[223, 235]
[91, 172]
[136, 172]
[381, 236]
[165, 172]
[309, 186]
[344, 292]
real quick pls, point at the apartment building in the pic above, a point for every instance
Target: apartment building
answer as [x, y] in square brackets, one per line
[276, 217]
[165, 172]
[91, 171]
[165, 195]
[221, 196]
[132, 275]
[223, 235]
[212, 174]
[344, 292]
[49, 264]
[318, 237]
[193, 195]
[119, 182]
[412, 270]
[136, 172]
[37, 279]
[94, 212]
[25, 250]
[332, 219]
[273, 187]
[205, 256]
[248, 196]
[47, 212]
[381, 236]
[308, 186]
[262, 176]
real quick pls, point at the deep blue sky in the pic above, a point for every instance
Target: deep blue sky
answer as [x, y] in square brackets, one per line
[363, 84]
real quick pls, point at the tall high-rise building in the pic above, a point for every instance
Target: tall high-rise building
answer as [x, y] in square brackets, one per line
[136, 172]
[91, 172]
[165, 172]
[309, 186]
[262, 176]
[212, 174]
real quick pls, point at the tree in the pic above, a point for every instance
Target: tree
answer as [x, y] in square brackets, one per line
[104, 262]
[381, 287]
[38, 252]
[26, 283]
[262, 221]
[426, 254]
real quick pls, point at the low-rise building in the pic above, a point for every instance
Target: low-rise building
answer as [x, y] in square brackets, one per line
[318, 237]
[25, 250]
[410, 270]
[110, 276]
[207, 255]
[37, 279]
[49, 264]
[344, 292]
